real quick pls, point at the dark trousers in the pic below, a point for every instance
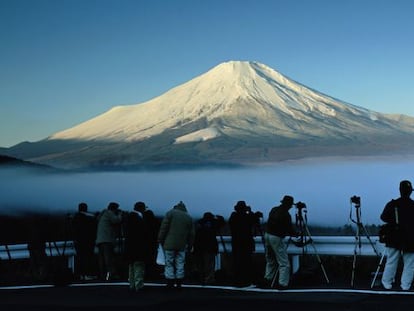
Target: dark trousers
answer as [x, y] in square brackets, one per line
[106, 259]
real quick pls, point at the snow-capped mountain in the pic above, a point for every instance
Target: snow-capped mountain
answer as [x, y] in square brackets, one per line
[237, 112]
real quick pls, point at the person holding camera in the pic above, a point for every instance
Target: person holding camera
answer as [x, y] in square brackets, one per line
[400, 214]
[279, 225]
[109, 221]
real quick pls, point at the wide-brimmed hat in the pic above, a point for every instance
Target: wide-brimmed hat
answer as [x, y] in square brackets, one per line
[287, 199]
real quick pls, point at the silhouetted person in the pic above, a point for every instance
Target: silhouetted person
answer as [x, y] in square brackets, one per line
[279, 225]
[108, 228]
[37, 248]
[400, 212]
[153, 225]
[241, 225]
[136, 246]
[206, 247]
[84, 236]
[176, 237]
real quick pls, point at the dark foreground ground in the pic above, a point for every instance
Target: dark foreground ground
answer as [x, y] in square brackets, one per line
[115, 296]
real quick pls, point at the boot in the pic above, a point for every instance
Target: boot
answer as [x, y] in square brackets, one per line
[170, 284]
[178, 283]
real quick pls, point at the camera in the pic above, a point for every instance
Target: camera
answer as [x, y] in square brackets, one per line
[356, 200]
[300, 205]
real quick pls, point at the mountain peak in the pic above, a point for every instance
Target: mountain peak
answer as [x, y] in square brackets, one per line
[235, 109]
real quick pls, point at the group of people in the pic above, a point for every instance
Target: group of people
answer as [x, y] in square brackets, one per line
[179, 235]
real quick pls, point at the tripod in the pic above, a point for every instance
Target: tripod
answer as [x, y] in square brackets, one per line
[359, 228]
[304, 239]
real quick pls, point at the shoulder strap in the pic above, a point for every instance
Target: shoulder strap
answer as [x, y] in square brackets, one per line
[396, 214]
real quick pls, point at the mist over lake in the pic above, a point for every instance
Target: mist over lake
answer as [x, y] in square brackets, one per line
[324, 185]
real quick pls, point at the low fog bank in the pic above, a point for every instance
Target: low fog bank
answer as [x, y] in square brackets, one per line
[324, 186]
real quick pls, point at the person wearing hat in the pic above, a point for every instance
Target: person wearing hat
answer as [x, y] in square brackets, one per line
[107, 230]
[400, 212]
[242, 224]
[279, 225]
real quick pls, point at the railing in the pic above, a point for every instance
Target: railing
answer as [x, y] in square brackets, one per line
[21, 251]
[322, 245]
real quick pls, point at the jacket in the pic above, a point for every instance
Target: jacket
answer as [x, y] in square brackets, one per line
[177, 229]
[405, 207]
[279, 222]
[107, 231]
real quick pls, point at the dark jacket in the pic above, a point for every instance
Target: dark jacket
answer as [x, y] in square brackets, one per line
[279, 222]
[205, 236]
[241, 226]
[405, 207]
[84, 229]
[137, 244]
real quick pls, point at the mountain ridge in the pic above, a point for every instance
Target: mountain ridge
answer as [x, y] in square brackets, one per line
[237, 112]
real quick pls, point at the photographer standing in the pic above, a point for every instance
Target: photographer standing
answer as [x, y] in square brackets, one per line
[241, 224]
[108, 227]
[84, 236]
[400, 213]
[176, 236]
[206, 246]
[279, 225]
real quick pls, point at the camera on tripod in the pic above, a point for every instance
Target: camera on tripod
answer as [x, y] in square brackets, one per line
[356, 200]
[300, 205]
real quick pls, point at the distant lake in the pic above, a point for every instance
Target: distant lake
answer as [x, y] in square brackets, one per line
[324, 185]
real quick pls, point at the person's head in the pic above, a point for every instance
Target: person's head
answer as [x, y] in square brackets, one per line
[82, 207]
[406, 188]
[181, 206]
[113, 206]
[140, 207]
[208, 216]
[287, 201]
[240, 206]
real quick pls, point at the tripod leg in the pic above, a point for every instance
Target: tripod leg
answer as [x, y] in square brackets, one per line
[378, 269]
[317, 255]
[370, 241]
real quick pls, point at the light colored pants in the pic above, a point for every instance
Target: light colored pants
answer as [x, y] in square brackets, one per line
[276, 257]
[174, 264]
[136, 275]
[391, 265]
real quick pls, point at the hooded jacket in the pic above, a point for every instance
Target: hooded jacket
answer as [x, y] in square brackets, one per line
[177, 229]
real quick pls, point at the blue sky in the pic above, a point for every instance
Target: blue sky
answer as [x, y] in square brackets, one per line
[63, 62]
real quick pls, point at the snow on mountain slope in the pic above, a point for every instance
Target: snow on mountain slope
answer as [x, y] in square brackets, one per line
[236, 113]
[239, 92]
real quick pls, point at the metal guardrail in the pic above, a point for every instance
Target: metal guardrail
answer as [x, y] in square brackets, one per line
[320, 245]
[55, 249]
[324, 245]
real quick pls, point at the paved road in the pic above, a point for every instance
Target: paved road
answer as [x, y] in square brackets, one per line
[115, 296]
